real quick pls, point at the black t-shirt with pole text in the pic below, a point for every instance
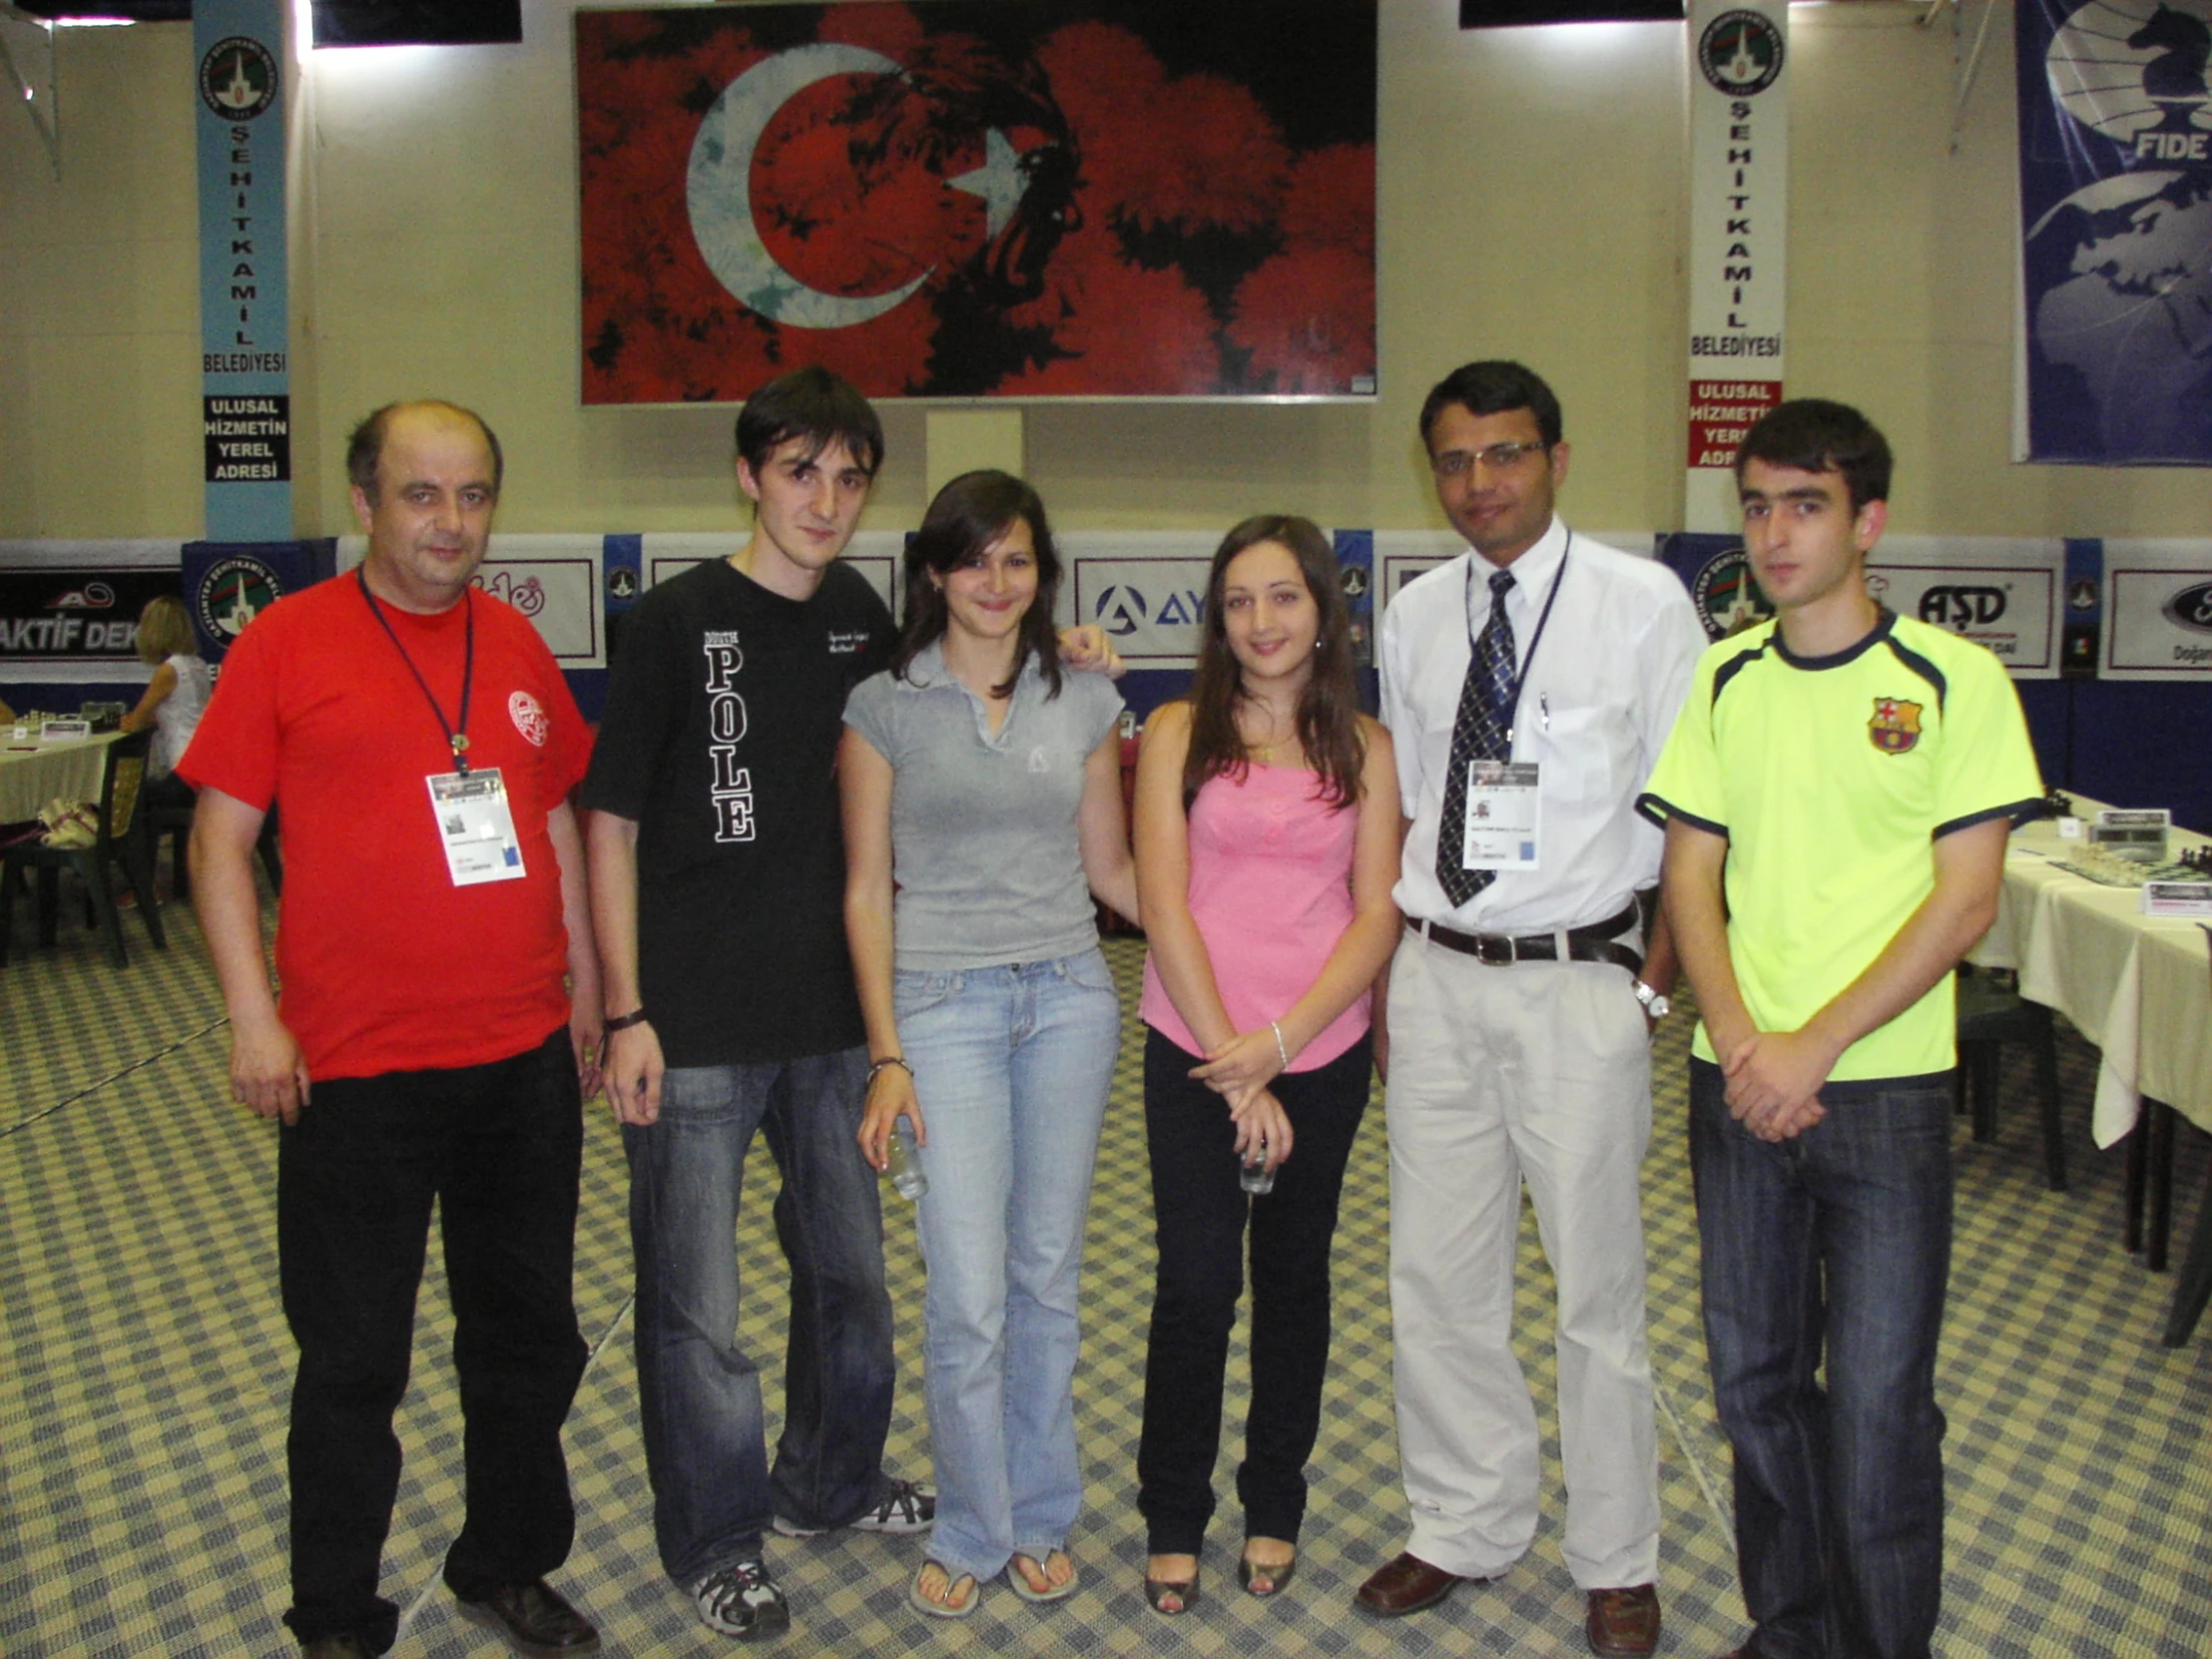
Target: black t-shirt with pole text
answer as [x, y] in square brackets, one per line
[720, 741]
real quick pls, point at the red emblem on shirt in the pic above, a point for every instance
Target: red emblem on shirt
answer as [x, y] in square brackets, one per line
[529, 719]
[1895, 726]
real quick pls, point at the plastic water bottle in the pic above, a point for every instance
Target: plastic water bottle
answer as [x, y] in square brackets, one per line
[1253, 1175]
[904, 1165]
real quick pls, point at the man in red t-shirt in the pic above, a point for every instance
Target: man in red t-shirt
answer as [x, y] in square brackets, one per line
[421, 744]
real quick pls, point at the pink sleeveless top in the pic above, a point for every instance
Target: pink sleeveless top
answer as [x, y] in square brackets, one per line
[1271, 892]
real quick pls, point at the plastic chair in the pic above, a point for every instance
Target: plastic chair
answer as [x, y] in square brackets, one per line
[122, 842]
[1991, 1014]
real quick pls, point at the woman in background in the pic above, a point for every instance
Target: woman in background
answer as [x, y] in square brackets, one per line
[1267, 847]
[174, 700]
[988, 785]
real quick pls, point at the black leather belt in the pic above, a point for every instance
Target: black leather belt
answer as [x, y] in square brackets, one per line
[1594, 943]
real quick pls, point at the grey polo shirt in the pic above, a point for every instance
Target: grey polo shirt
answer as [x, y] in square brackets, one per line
[983, 837]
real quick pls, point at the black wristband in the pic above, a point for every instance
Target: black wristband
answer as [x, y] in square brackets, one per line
[634, 1017]
[887, 1061]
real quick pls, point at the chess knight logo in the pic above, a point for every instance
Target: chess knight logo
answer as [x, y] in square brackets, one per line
[1895, 726]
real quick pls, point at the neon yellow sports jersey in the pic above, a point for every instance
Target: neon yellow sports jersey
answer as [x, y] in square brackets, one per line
[1831, 777]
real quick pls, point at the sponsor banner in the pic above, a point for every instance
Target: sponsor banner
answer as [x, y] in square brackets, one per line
[2159, 610]
[2114, 330]
[873, 553]
[1355, 576]
[245, 327]
[552, 580]
[1716, 572]
[228, 584]
[1739, 230]
[2083, 628]
[1063, 199]
[2000, 592]
[1146, 589]
[1401, 555]
[55, 612]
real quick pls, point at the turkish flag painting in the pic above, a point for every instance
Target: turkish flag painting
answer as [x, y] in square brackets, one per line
[975, 197]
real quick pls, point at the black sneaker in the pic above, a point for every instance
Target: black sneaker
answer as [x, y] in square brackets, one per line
[908, 1506]
[741, 1600]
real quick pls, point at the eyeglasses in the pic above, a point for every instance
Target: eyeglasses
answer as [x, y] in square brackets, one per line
[1498, 458]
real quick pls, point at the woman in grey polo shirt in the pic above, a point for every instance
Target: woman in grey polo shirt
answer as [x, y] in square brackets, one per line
[989, 785]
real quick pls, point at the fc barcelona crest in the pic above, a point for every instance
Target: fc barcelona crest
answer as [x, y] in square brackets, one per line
[1895, 726]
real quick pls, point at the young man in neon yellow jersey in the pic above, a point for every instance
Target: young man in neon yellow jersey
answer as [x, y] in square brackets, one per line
[1837, 795]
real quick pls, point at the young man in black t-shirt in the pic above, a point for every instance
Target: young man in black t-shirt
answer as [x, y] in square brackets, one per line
[718, 873]
[718, 892]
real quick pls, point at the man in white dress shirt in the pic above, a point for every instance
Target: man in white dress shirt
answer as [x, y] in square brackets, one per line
[1529, 685]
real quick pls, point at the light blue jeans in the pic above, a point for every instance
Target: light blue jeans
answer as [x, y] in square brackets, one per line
[1011, 1067]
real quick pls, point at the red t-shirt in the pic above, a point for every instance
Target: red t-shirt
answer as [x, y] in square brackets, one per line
[385, 965]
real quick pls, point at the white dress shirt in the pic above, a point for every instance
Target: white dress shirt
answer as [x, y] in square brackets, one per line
[1609, 675]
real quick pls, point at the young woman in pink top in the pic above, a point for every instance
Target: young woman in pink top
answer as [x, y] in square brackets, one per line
[1267, 845]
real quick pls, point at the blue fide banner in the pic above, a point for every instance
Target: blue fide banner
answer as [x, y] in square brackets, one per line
[2115, 136]
[246, 383]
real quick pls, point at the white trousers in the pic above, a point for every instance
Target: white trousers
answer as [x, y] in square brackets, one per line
[1541, 1072]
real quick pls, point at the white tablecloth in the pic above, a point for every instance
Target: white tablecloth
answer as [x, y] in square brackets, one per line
[2137, 986]
[31, 776]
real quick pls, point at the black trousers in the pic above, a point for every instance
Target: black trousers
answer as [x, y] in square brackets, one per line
[499, 1147]
[1199, 1215]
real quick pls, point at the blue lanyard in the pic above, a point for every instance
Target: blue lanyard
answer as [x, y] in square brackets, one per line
[1520, 680]
[458, 740]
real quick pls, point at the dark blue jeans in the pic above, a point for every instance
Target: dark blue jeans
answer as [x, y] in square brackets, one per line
[499, 1147]
[698, 1392]
[1199, 1214]
[1840, 1237]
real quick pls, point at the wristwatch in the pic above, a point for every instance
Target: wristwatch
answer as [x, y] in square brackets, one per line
[1657, 1006]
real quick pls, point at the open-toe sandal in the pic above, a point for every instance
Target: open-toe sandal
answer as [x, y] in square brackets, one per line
[1019, 1580]
[1184, 1590]
[948, 1608]
[1277, 1575]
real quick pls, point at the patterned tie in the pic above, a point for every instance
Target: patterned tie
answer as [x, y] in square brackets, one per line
[1478, 734]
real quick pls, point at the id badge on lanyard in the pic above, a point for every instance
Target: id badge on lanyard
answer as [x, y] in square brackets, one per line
[476, 826]
[1505, 815]
[1504, 822]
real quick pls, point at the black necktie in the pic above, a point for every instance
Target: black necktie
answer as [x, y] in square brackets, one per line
[1477, 733]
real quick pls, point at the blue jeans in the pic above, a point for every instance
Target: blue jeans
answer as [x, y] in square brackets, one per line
[1011, 1067]
[698, 1392]
[1843, 1234]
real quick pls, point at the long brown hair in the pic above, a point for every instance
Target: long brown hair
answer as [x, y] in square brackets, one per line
[1327, 709]
[969, 513]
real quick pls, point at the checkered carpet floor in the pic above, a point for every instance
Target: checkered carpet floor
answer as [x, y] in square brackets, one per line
[146, 1364]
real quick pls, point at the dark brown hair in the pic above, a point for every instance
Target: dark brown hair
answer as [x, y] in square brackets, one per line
[968, 514]
[1329, 708]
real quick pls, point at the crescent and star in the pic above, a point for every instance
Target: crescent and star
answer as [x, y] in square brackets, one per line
[719, 188]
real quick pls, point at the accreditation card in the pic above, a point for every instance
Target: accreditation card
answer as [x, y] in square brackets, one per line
[476, 826]
[1503, 814]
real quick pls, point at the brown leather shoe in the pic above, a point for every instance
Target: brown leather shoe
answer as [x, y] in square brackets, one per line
[1623, 1622]
[535, 1621]
[1405, 1586]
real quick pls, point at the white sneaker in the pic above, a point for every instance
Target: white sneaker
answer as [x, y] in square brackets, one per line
[742, 1600]
[908, 1506]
